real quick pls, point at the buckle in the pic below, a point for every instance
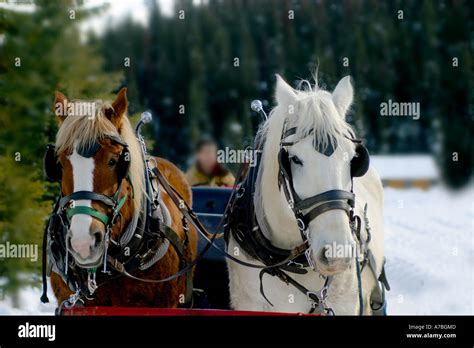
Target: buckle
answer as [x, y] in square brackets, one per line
[73, 299]
[301, 224]
[291, 204]
[320, 295]
[296, 264]
[185, 224]
[91, 281]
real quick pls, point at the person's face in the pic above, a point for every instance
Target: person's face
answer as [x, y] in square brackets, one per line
[207, 158]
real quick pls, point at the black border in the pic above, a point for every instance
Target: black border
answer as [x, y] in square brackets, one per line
[192, 330]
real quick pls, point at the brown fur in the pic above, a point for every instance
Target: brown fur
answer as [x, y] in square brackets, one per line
[124, 291]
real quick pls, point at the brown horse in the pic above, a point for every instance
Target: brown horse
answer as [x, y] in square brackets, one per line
[99, 173]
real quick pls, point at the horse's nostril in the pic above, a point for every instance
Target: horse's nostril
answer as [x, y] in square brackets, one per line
[323, 256]
[97, 239]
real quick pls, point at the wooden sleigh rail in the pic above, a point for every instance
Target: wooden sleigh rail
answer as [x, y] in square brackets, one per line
[130, 311]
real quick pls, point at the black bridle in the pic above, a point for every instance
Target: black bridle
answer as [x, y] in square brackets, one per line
[56, 236]
[318, 204]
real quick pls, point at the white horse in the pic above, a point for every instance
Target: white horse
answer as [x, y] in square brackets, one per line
[319, 118]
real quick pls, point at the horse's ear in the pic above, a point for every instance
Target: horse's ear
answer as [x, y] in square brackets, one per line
[120, 106]
[343, 95]
[60, 107]
[284, 93]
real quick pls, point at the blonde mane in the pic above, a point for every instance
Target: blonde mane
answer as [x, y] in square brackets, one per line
[84, 131]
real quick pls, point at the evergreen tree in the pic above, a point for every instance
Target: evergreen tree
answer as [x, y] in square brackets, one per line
[41, 53]
[398, 50]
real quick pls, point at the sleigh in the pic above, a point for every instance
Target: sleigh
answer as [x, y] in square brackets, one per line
[167, 312]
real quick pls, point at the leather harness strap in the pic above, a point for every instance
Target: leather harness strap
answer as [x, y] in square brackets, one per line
[316, 298]
[324, 207]
[89, 195]
[307, 203]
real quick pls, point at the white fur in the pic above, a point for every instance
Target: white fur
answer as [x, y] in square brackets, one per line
[83, 180]
[324, 113]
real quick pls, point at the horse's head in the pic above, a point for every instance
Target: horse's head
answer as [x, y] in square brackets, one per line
[317, 151]
[93, 154]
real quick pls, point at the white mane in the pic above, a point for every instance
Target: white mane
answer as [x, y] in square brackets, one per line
[312, 111]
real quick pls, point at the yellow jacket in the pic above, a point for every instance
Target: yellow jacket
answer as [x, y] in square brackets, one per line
[223, 177]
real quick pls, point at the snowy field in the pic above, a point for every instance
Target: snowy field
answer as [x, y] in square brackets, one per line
[429, 246]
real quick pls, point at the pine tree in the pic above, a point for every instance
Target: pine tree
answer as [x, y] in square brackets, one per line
[41, 53]
[190, 62]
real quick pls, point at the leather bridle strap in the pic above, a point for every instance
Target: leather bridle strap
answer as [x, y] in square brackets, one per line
[324, 207]
[317, 299]
[290, 131]
[325, 197]
[87, 195]
[112, 202]
[84, 210]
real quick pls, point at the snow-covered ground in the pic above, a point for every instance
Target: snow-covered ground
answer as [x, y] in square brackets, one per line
[429, 246]
[403, 167]
[30, 304]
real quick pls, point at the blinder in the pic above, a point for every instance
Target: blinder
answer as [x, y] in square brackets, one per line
[52, 169]
[361, 161]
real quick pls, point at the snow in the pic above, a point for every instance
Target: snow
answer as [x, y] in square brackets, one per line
[429, 247]
[30, 304]
[405, 167]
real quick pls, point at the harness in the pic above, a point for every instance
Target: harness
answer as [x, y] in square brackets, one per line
[246, 229]
[142, 243]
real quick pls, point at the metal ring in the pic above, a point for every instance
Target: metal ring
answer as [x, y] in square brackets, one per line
[369, 235]
[301, 224]
[240, 192]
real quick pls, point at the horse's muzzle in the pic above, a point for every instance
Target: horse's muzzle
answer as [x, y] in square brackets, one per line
[87, 251]
[332, 262]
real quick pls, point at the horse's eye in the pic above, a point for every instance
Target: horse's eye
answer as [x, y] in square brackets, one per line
[112, 162]
[296, 160]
